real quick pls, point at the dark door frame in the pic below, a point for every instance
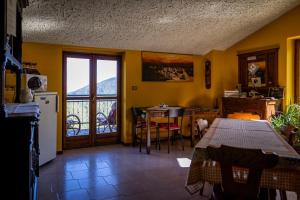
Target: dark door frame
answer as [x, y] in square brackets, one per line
[93, 139]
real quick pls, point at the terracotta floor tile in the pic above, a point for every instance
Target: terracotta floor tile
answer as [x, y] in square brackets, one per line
[76, 195]
[91, 182]
[117, 172]
[102, 192]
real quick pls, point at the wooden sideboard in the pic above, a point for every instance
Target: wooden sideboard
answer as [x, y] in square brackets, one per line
[265, 108]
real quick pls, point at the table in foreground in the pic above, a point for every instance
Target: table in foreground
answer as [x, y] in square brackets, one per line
[245, 134]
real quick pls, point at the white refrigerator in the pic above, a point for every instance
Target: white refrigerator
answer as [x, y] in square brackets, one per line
[48, 103]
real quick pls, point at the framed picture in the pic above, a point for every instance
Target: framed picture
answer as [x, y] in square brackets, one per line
[207, 74]
[167, 67]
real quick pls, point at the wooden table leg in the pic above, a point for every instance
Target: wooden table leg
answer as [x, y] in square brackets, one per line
[148, 133]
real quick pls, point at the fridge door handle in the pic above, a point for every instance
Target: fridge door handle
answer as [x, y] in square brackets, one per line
[57, 104]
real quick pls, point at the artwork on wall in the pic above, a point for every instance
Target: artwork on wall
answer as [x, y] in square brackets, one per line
[207, 74]
[167, 67]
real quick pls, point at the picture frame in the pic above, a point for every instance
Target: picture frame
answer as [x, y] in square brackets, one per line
[167, 67]
[207, 74]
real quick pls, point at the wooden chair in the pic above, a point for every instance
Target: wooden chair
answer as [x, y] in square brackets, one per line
[172, 126]
[290, 137]
[139, 123]
[209, 116]
[201, 126]
[251, 162]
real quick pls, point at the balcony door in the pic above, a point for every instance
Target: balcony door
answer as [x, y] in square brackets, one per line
[91, 100]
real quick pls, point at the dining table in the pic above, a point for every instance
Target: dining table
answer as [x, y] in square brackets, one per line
[248, 134]
[191, 112]
[156, 111]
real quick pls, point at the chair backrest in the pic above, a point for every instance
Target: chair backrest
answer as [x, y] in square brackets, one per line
[254, 160]
[175, 114]
[137, 114]
[290, 136]
[201, 125]
[112, 116]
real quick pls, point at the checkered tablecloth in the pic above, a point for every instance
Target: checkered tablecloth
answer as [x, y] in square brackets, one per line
[245, 134]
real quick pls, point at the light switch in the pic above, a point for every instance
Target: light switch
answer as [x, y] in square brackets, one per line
[134, 87]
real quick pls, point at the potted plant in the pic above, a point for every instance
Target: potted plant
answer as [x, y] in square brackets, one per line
[288, 124]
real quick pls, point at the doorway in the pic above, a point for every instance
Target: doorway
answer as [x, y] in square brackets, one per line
[91, 110]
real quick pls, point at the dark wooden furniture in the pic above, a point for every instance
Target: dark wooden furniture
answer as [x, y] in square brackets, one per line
[20, 132]
[252, 160]
[11, 46]
[18, 122]
[265, 108]
[268, 71]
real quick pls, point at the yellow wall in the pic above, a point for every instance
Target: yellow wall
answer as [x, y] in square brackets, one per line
[49, 59]
[281, 32]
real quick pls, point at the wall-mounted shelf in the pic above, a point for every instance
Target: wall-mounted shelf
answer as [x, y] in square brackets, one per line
[11, 62]
[11, 45]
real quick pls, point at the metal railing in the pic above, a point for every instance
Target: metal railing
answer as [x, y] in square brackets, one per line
[78, 116]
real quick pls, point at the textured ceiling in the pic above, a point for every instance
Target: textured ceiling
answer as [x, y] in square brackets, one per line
[179, 26]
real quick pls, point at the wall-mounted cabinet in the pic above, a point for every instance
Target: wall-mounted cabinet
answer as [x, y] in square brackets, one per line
[259, 69]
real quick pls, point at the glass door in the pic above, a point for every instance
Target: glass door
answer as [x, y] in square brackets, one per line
[107, 103]
[77, 100]
[91, 100]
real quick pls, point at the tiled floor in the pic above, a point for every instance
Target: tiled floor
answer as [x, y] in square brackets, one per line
[116, 172]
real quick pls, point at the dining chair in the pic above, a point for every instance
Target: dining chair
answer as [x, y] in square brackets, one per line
[174, 125]
[201, 126]
[139, 123]
[290, 137]
[241, 171]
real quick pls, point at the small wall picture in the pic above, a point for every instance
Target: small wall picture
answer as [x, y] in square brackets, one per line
[167, 67]
[256, 74]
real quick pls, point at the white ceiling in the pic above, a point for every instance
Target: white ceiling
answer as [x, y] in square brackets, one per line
[179, 26]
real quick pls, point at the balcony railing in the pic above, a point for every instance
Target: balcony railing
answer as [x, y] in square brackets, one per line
[78, 117]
